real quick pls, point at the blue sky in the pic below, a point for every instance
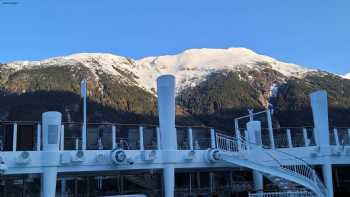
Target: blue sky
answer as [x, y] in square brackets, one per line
[312, 33]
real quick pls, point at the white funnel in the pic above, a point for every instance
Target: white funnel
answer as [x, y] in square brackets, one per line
[166, 109]
[319, 106]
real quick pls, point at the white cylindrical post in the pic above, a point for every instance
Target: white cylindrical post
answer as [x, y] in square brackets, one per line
[62, 138]
[166, 108]
[254, 133]
[38, 137]
[306, 140]
[14, 139]
[269, 123]
[289, 138]
[84, 128]
[190, 138]
[319, 106]
[169, 180]
[258, 181]
[51, 136]
[212, 138]
[158, 138]
[142, 147]
[114, 135]
[328, 178]
[63, 187]
[336, 136]
[238, 134]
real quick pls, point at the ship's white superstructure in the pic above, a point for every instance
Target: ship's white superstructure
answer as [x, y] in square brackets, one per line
[285, 157]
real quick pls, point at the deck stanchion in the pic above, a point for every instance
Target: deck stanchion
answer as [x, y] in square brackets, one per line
[336, 136]
[38, 137]
[114, 137]
[269, 123]
[14, 139]
[306, 140]
[62, 138]
[142, 147]
[289, 138]
[190, 138]
[158, 138]
[212, 138]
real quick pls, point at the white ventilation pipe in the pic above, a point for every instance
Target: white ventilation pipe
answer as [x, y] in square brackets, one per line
[166, 109]
[319, 104]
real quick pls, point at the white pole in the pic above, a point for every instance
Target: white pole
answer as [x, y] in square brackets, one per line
[158, 138]
[142, 147]
[269, 123]
[306, 140]
[190, 138]
[315, 136]
[83, 94]
[336, 136]
[38, 137]
[212, 138]
[114, 137]
[62, 138]
[166, 108]
[289, 138]
[328, 178]
[14, 139]
[238, 134]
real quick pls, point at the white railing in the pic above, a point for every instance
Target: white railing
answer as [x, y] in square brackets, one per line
[229, 143]
[301, 169]
[283, 194]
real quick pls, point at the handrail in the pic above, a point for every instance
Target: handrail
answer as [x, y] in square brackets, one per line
[304, 170]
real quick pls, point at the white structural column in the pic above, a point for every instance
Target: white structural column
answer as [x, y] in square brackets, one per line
[51, 136]
[190, 138]
[238, 134]
[269, 123]
[319, 106]
[166, 107]
[254, 135]
[142, 147]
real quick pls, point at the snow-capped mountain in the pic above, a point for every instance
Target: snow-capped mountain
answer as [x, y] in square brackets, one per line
[190, 67]
[347, 76]
[214, 85]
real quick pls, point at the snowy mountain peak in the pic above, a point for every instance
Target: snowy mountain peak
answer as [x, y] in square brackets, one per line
[190, 66]
[347, 76]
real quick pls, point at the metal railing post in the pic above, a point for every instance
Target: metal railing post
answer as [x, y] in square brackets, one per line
[306, 140]
[14, 139]
[289, 138]
[142, 147]
[38, 137]
[269, 123]
[190, 138]
[212, 138]
[114, 133]
[336, 136]
[62, 138]
[158, 139]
